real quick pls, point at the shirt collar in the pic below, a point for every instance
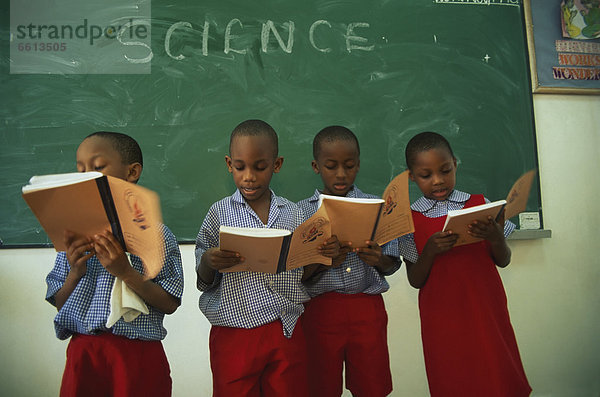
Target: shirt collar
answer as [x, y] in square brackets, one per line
[238, 198]
[425, 204]
[354, 192]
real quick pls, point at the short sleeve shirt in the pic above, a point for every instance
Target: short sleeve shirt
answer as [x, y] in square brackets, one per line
[354, 276]
[88, 307]
[250, 299]
[435, 209]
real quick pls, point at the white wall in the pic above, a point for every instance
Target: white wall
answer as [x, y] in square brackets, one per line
[552, 287]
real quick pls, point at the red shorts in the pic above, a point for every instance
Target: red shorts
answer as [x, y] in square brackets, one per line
[350, 328]
[111, 365]
[258, 361]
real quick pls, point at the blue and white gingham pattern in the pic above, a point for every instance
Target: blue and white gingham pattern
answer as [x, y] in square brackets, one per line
[361, 278]
[435, 209]
[88, 307]
[250, 299]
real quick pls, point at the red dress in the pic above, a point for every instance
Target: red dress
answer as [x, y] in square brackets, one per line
[468, 342]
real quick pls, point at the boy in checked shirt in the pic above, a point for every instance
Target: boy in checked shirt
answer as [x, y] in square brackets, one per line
[256, 349]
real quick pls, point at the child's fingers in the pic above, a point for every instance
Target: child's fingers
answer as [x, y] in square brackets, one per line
[221, 259]
[218, 253]
[224, 264]
[370, 257]
[329, 253]
[446, 237]
[106, 244]
[79, 249]
[332, 240]
[372, 245]
[445, 242]
[346, 245]
[73, 241]
[367, 253]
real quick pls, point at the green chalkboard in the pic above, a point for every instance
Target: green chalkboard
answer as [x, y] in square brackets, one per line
[385, 69]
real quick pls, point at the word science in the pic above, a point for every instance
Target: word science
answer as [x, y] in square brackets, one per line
[235, 35]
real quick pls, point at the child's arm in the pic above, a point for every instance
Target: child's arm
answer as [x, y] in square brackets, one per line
[213, 260]
[438, 243]
[493, 232]
[111, 255]
[79, 250]
[373, 255]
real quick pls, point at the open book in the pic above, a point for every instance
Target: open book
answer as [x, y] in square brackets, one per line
[459, 220]
[356, 220]
[379, 220]
[277, 250]
[88, 203]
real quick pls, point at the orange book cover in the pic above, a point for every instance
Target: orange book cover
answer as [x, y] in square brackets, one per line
[90, 203]
[276, 250]
[515, 203]
[458, 221]
[379, 220]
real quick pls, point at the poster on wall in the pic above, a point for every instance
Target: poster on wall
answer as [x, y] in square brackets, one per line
[564, 45]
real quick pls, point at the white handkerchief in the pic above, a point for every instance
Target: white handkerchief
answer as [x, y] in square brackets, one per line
[124, 302]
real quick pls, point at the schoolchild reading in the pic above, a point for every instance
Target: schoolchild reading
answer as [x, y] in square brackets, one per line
[256, 347]
[468, 341]
[345, 322]
[112, 351]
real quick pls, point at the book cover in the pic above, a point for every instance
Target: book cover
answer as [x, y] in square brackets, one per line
[379, 220]
[395, 219]
[516, 200]
[90, 203]
[352, 219]
[458, 221]
[277, 250]
[261, 248]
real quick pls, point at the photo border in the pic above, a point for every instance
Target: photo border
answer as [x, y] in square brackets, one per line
[536, 87]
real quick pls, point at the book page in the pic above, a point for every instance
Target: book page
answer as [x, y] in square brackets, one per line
[75, 207]
[395, 219]
[352, 219]
[39, 182]
[458, 221]
[140, 218]
[260, 251]
[307, 238]
[516, 201]
[254, 231]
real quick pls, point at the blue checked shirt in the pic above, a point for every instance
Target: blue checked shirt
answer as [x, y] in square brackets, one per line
[250, 299]
[87, 308]
[435, 209]
[361, 278]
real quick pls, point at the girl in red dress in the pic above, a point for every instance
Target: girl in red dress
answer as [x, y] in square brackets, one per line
[468, 341]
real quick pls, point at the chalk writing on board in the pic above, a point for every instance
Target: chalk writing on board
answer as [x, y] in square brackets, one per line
[353, 40]
[515, 3]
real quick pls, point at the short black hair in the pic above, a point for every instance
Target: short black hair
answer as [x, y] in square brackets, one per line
[126, 146]
[255, 128]
[423, 142]
[331, 134]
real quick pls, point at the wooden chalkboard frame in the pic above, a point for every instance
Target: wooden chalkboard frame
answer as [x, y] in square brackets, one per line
[535, 34]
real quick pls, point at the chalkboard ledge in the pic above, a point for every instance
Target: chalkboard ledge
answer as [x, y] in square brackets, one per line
[530, 234]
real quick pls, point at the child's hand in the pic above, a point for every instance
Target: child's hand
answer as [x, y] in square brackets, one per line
[490, 230]
[330, 248]
[371, 254]
[79, 250]
[111, 255]
[335, 249]
[345, 248]
[217, 259]
[440, 242]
